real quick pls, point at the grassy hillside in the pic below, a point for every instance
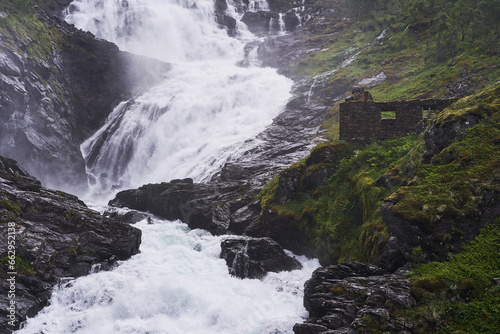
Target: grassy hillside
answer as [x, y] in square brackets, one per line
[426, 45]
[423, 49]
[23, 31]
[345, 211]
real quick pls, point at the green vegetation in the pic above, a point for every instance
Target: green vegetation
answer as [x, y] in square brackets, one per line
[341, 218]
[451, 185]
[470, 280]
[22, 24]
[10, 206]
[428, 46]
[22, 267]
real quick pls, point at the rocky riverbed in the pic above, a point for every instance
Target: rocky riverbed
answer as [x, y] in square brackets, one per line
[54, 236]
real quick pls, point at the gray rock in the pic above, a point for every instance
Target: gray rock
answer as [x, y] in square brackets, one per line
[351, 297]
[207, 206]
[57, 236]
[254, 257]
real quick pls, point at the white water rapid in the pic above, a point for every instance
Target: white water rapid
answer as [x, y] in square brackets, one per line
[176, 285]
[196, 118]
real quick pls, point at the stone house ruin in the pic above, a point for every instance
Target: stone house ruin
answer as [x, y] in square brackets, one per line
[362, 120]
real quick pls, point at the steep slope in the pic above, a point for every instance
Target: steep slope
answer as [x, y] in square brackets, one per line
[58, 86]
[433, 191]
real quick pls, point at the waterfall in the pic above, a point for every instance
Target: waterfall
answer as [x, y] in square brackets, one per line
[241, 262]
[258, 5]
[205, 108]
[188, 125]
[281, 23]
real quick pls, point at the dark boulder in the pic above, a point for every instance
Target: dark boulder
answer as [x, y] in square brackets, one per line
[211, 206]
[56, 236]
[352, 297]
[282, 230]
[291, 20]
[258, 22]
[254, 257]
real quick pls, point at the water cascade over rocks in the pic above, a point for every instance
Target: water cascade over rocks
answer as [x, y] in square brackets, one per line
[198, 116]
[208, 112]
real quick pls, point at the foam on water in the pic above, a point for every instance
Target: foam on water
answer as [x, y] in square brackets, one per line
[176, 285]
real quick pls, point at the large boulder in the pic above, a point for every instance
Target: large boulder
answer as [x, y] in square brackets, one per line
[255, 257]
[215, 207]
[354, 297]
[258, 22]
[54, 235]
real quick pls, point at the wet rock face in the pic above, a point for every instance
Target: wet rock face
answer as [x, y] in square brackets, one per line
[255, 257]
[352, 297]
[57, 236]
[258, 22]
[215, 207]
[50, 103]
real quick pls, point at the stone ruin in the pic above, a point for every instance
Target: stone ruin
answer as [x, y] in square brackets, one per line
[363, 120]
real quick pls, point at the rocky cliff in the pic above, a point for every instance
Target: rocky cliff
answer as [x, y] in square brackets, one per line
[48, 235]
[58, 86]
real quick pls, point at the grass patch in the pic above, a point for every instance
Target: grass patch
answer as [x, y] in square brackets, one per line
[25, 33]
[468, 279]
[341, 218]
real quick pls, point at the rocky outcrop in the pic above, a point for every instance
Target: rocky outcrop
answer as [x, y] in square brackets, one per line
[293, 182]
[355, 297]
[259, 22]
[58, 87]
[215, 207]
[48, 235]
[223, 19]
[435, 241]
[255, 257]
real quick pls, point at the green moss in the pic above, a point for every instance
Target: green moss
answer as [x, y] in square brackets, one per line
[483, 104]
[69, 214]
[24, 32]
[468, 279]
[10, 206]
[22, 266]
[341, 219]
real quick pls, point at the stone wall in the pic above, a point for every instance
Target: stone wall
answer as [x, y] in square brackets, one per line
[362, 121]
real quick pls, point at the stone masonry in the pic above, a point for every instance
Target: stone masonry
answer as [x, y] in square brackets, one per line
[361, 120]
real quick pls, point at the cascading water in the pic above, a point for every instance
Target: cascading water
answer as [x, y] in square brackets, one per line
[186, 126]
[198, 116]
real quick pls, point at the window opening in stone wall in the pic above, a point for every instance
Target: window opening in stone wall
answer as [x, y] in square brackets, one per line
[426, 113]
[388, 115]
